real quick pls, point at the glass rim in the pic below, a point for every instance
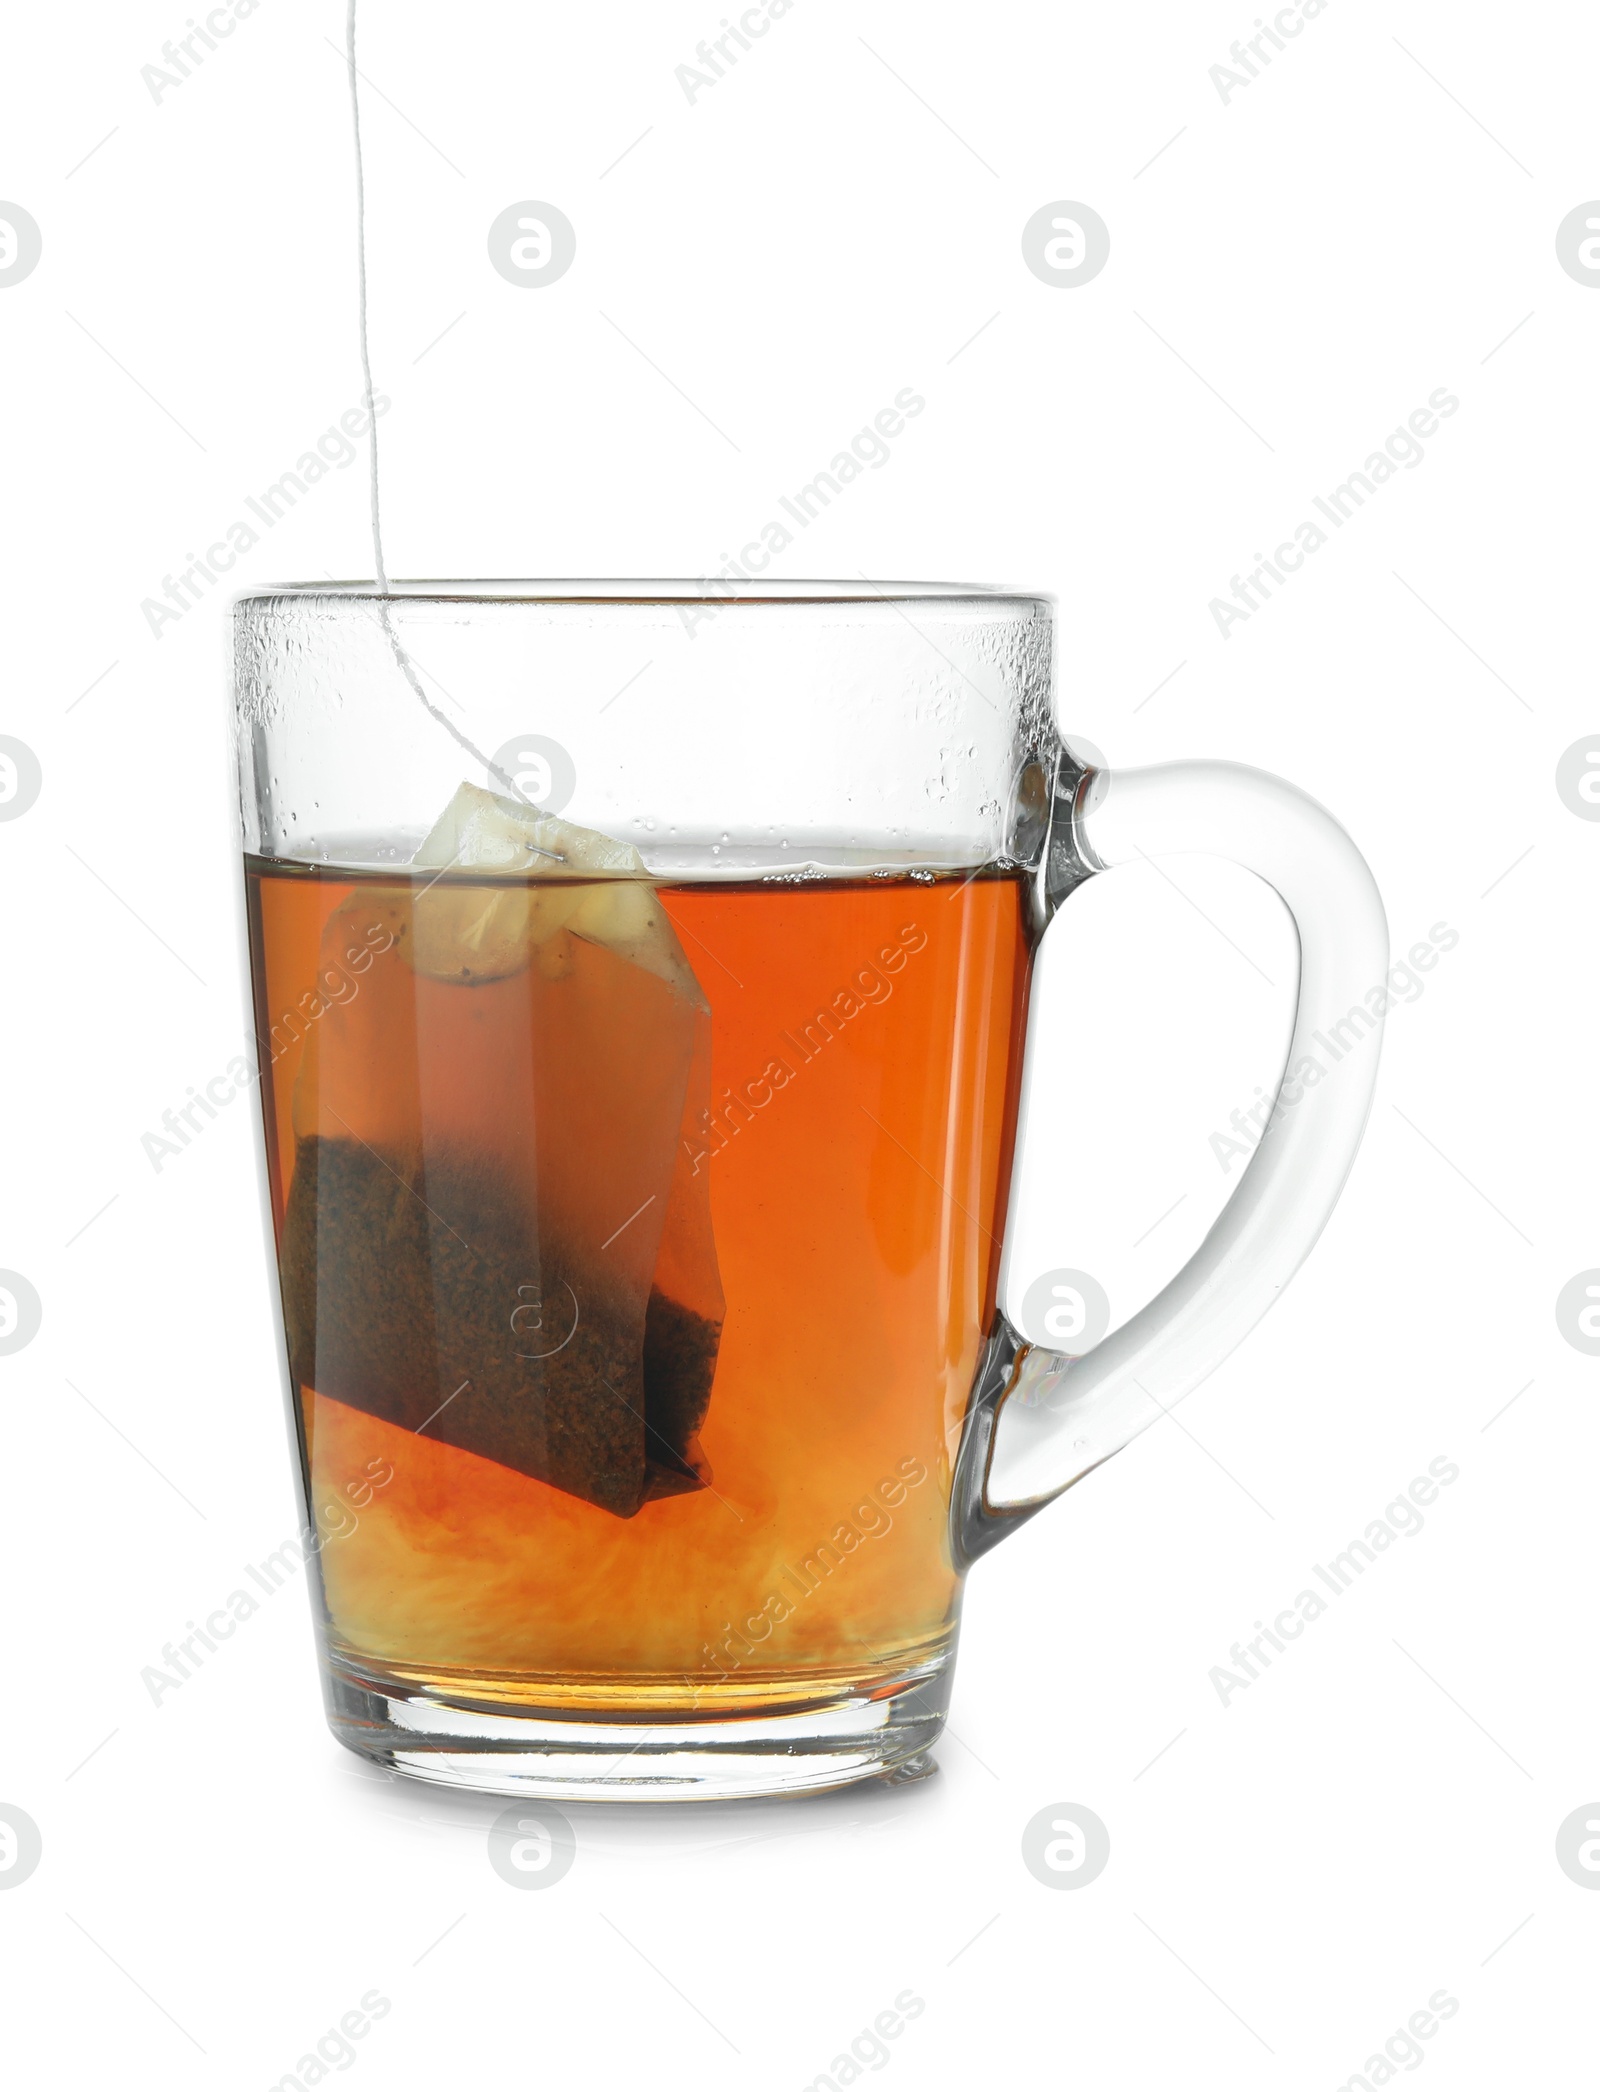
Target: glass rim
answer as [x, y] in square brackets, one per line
[724, 593]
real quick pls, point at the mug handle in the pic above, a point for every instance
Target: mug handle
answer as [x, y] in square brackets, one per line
[1041, 1419]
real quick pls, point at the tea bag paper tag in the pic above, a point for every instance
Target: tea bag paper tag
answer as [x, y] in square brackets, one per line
[584, 884]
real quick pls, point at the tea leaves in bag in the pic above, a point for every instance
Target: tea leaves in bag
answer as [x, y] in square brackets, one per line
[494, 1235]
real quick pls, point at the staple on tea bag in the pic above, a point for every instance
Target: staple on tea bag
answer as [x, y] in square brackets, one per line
[493, 1234]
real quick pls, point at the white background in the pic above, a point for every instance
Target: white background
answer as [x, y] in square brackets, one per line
[1372, 1820]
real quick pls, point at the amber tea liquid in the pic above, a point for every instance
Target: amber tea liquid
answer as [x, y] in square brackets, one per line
[866, 1041]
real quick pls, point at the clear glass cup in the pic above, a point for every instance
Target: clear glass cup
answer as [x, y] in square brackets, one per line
[639, 1210]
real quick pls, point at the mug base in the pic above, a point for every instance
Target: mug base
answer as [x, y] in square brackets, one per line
[887, 1734]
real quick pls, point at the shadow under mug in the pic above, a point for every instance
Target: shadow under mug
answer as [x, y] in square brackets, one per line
[686, 1512]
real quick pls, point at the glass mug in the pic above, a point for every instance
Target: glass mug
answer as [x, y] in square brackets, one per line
[640, 984]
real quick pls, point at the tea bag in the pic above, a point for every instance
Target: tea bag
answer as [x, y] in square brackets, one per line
[494, 1235]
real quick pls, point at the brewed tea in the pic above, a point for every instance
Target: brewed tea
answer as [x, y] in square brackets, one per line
[852, 1156]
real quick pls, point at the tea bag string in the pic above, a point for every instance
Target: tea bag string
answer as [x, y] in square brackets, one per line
[361, 304]
[402, 659]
